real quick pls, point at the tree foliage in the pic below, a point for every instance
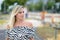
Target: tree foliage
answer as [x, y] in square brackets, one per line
[57, 0]
[36, 6]
[50, 4]
[7, 3]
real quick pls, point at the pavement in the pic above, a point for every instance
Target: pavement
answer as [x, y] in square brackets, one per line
[2, 35]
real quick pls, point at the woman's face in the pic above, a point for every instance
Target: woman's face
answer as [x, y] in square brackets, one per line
[20, 14]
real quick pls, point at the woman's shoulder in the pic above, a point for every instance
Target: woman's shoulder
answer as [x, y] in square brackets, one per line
[29, 24]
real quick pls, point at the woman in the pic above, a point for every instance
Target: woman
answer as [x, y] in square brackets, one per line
[18, 28]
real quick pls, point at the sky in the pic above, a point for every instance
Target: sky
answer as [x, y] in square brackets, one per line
[1, 3]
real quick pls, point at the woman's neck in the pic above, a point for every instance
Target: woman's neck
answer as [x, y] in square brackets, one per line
[19, 21]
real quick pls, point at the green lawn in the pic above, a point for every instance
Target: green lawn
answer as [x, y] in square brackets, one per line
[2, 21]
[3, 18]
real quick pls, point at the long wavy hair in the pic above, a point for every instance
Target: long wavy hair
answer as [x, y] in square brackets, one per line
[12, 19]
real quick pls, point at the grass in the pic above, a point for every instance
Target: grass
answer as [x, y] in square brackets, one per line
[2, 21]
[45, 32]
[3, 18]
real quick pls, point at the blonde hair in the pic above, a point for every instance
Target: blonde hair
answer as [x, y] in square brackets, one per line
[12, 16]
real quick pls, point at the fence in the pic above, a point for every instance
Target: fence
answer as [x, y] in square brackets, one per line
[48, 16]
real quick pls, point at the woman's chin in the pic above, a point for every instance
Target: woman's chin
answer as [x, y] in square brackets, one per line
[21, 18]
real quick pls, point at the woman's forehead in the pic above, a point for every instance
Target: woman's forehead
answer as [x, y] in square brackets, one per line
[22, 9]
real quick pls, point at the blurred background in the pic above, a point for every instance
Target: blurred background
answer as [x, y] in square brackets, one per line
[33, 5]
[44, 15]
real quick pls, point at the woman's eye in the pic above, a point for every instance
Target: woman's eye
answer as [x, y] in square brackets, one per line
[21, 12]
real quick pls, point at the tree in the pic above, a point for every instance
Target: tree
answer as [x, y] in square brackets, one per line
[50, 4]
[36, 6]
[57, 0]
[39, 5]
[7, 3]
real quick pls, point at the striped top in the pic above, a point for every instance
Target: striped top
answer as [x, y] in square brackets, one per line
[20, 33]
